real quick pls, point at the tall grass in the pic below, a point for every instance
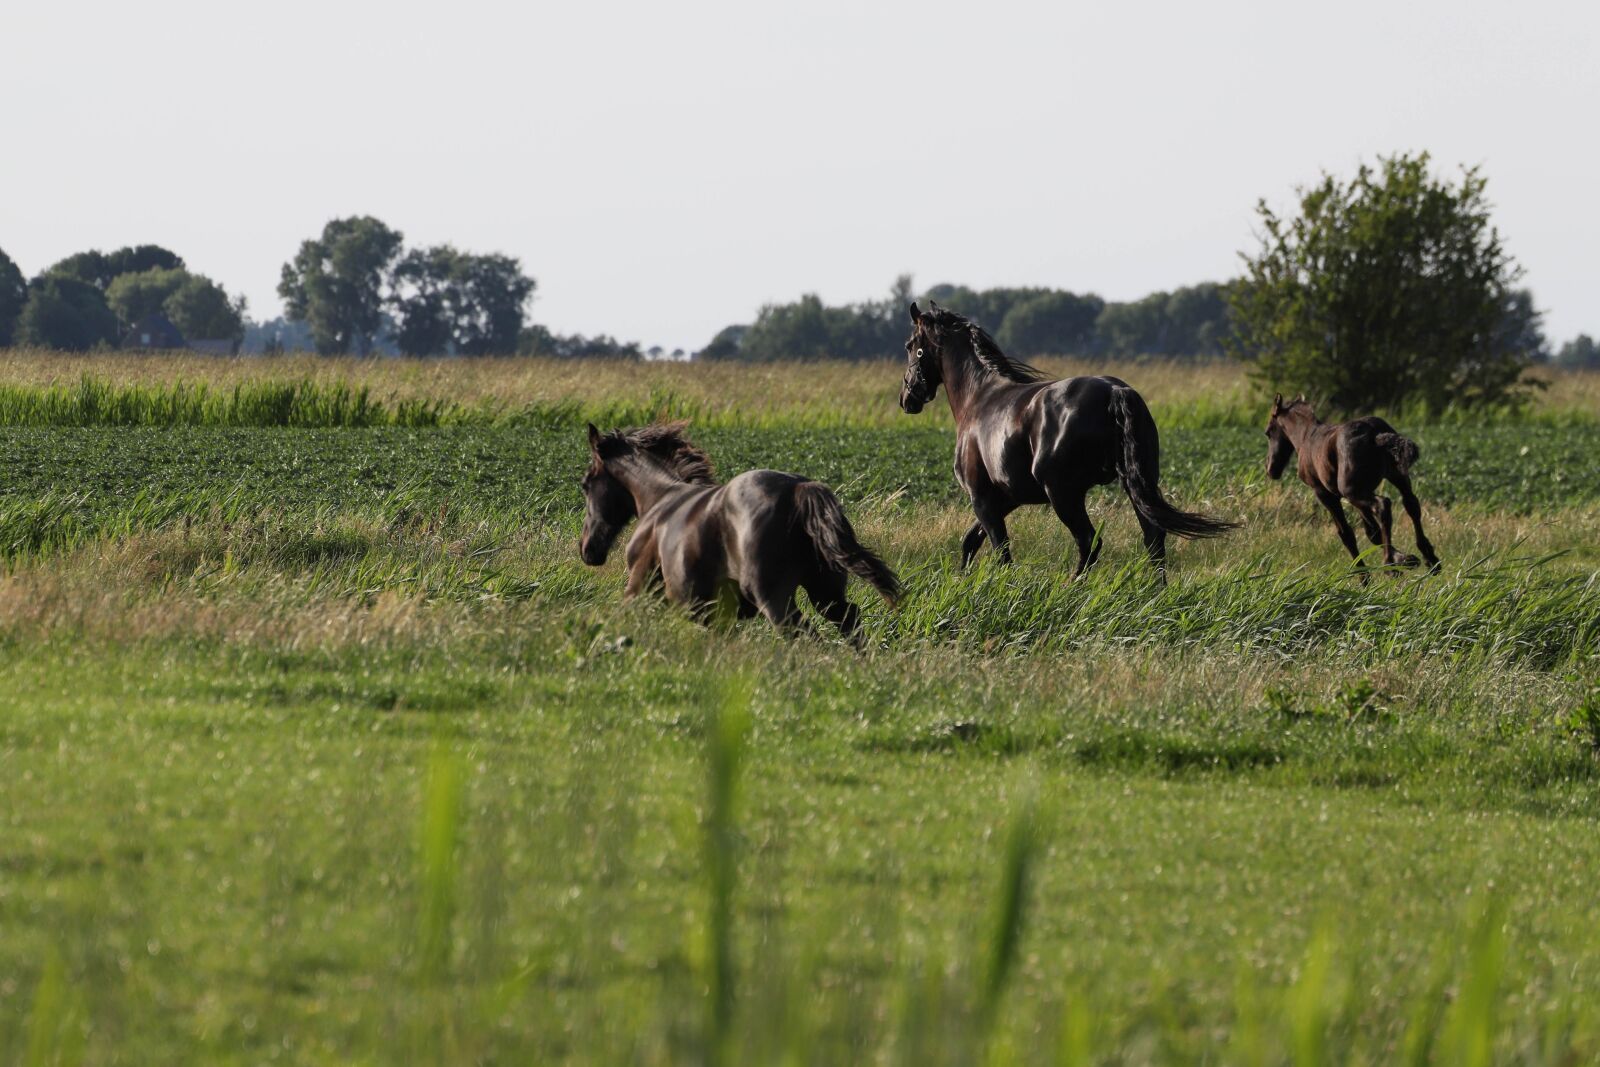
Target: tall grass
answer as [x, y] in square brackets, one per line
[1313, 1020]
[98, 402]
[157, 391]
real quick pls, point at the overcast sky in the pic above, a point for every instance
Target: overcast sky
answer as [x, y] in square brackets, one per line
[664, 169]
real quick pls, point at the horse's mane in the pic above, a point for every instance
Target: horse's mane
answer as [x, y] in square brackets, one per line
[665, 441]
[1299, 403]
[949, 324]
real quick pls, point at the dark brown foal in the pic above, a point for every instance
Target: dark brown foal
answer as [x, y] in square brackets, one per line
[1347, 461]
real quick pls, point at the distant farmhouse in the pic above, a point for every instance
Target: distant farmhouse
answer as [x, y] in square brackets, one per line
[156, 332]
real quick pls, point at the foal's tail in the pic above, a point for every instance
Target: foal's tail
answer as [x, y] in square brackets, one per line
[1403, 451]
[1139, 466]
[830, 531]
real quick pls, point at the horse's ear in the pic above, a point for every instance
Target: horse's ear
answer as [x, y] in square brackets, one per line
[594, 438]
[1301, 399]
[933, 305]
[916, 315]
[1277, 401]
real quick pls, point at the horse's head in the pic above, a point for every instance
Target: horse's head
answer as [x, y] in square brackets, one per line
[608, 505]
[1279, 445]
[922, 366]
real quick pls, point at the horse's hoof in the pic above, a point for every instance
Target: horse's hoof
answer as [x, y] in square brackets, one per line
[1404, 560]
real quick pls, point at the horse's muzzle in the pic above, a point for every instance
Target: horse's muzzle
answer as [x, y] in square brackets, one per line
[910, 403]
[594, 551]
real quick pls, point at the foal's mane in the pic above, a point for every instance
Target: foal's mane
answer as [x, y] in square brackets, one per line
[666, 443]
[948, 325]
[1298, 404]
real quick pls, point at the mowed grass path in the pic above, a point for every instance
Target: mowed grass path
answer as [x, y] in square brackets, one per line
[319, 746]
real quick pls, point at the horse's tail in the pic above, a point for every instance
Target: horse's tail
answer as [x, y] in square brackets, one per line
[824, 521]
[1403, 451]
[1139, 467]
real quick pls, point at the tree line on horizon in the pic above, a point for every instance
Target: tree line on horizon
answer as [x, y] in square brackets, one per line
[353, 289]
[1390, 287]
[1027, 322]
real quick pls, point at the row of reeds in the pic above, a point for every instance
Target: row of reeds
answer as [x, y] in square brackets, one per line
[614, 400]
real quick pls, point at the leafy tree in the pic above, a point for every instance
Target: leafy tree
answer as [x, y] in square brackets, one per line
[197, 306]
[450, 301]
[1580, 352]
[100, 269]
[203, 311]
[64, 312]
[536, 340]
[1191, 321]
[142, 258]
[1051, 323]
[726, 344]
[13, 295]
[424, 282]
[1390, 288]
[335, 283]
[810, 329]
[1520, 328]
[133, 296]
[492, 302]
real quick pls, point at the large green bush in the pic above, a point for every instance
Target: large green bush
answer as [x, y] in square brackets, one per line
[1392, 289]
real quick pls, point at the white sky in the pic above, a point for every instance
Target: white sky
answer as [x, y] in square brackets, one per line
[663, 169]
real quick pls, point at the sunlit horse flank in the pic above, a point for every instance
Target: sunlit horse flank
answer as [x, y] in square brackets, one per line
[764, 534]
[1022, 439]
[1348, 460]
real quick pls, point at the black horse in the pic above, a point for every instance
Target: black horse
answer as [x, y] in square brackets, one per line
[761, 537]
[1023, 439]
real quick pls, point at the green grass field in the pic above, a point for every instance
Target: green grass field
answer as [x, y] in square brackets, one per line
[318, 744]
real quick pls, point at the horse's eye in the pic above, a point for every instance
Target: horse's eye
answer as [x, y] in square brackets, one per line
[919, 353]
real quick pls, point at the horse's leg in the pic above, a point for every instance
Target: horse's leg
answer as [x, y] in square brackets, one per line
[971, 543]
[644, 574]
[1386, 520]
[1069, 508]
[1375, 514]
[1413, 506]
[827, 592]
[1155, 542]
[992, 514]
[1331, 501]
[773, 596]
[1367, 509]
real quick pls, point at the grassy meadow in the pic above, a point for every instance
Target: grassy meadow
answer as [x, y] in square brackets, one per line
[319, 744]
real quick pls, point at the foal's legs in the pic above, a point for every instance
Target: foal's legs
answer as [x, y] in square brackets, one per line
[1330, 500]
[1376, 515]
[1413, 507]
[1068, 505]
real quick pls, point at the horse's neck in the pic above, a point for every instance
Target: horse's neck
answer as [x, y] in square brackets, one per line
[1301, 426]
[647, 482]
[963, 380]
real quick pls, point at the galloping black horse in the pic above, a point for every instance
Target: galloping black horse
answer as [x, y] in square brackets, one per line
[1022, 439]
[760, 537]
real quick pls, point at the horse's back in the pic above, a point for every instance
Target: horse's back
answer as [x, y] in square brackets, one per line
[1072, 419]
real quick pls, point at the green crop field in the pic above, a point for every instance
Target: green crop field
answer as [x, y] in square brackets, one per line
[319, 744]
